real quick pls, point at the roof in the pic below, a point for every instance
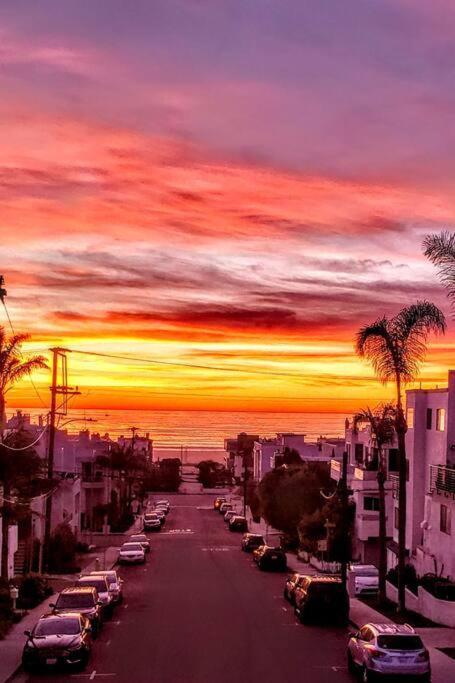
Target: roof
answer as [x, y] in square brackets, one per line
[325, 579]
[393, 629]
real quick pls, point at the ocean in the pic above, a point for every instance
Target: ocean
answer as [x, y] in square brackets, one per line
[193, 435]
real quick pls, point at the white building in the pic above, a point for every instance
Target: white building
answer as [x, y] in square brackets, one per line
[430, 506]
[362, 479]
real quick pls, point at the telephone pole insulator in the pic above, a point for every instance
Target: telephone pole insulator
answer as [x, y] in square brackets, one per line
[3, 291]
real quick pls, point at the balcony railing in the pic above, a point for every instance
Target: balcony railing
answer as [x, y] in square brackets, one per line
[442, 480]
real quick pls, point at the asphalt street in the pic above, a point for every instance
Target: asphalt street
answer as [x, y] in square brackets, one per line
[200, 611]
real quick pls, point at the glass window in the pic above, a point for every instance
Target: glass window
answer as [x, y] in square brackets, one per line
[429, 418]
[410, 417]
[393, 459]
[440, 419]
[371, 503]
[399, 642]
[54, 627]
[359, 453]
[445, 519]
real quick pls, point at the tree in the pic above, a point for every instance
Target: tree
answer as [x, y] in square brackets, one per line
[287, 494]
[396, 347]
[382, 423]
[440, 250]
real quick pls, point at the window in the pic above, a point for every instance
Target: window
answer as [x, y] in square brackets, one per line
[393, 459]
[440, 419]
[395, 518]
[444, 520]
[429, 418]
[410, 417]
[371, 503]
[359, 453]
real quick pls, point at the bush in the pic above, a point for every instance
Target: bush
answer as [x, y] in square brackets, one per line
[33, 589]
[440, 588]
[62, 550]
[410, 577]
[82, 547]
[6, 608]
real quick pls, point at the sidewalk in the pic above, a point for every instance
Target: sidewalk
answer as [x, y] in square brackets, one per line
[443, 666]
[11, 646]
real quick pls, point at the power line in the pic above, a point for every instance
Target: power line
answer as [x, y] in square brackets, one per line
[24, 448]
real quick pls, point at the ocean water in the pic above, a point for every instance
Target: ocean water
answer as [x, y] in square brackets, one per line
[192, 435]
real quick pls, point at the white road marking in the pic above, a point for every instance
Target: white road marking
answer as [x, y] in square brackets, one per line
[92, 675]
[125, 606]
[285, 609]
[108, 642]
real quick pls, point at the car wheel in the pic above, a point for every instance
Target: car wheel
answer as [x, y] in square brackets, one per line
[84, 660]
[351, 664]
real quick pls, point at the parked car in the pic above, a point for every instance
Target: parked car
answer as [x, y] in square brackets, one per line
[366, 579]
[393, 650]
[131, 553]
[292, 582]
[321, 598]
[218, 501]
[238, 523]
[161, 515]
[82, 599]
[165, 504]
[115, 584]
[102, 586]
[268, 557]
[142, 539]
[229, 514]
[151, 522]
[56, 639]
[224, 507]
[251, 541]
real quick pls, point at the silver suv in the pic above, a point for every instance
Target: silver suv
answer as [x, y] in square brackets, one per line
[388, 649]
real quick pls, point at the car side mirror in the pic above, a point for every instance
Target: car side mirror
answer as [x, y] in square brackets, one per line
[28, 634]
[52, 604]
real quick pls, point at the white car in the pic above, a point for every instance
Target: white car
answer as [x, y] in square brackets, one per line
[160, 514]
[151, 522]
[131, 553]
[224, 507]
[366, 579]
[115, 583]
[165, 504]
[142, 539]
[102, 586]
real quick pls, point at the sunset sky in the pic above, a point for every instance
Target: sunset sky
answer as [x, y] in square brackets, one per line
[232, 183]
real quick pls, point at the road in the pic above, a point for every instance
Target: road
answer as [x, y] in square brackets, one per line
[201, 612]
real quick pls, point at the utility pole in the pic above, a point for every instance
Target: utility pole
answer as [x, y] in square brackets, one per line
[245, 472]
[344, 499]
[59, 360]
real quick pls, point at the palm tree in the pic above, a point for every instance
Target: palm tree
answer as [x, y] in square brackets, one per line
[396, 347]
[13, 367]
[382, 423]
[440, 250]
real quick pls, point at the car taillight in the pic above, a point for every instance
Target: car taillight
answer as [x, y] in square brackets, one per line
[423, 656]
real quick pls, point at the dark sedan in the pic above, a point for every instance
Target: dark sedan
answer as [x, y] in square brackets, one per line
[252, 541]
[64, 640]
[238, 523]
[269, 558]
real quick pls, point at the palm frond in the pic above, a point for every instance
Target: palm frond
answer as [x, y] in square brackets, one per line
[440, 250]
[376, 343]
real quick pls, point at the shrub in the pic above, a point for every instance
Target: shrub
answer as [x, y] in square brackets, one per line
[440, 588]
[33, 589]
[410, 577]
[62, 550]
[6, 608]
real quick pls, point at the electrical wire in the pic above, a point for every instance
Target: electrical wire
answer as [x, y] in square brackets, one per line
[23, 448]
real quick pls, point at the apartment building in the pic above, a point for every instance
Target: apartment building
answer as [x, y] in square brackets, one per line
[430, 506]
[362, 471]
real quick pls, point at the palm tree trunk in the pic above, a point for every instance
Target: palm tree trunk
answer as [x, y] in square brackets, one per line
[382, 530]
[5, 529]
[402, 473]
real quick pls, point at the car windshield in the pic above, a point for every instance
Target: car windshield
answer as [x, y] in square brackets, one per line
[132, 546]
[110, 576]
[151, 515]
[256, 539]
[366, 571]
[54, 627]
[400, 642]
[139, 539]
[74, 601]
[99, 584]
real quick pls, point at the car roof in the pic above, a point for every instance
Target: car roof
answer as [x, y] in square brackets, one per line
[89, 577]
[78, 590]
[325, 579]
[239, 517]
[138, 536]
[130, 543]
[103, 572]
[250, 535]
[392, 629]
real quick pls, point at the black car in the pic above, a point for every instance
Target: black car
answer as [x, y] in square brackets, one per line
[58, 639]
[267, 557]
[82, 599]
[322, 598]
[251, 541]
[292, 582]
[238, 524]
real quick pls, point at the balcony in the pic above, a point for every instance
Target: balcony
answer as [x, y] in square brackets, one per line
[394, 480]
[336, 470]
[442, 480]
[365, 475]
